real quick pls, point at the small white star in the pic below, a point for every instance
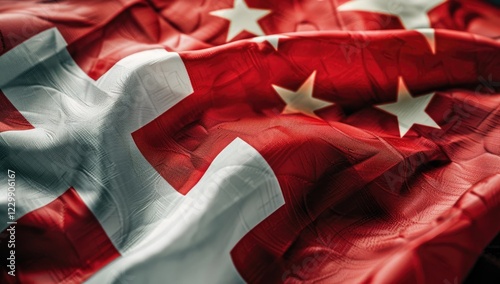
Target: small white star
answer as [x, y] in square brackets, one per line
[301, 101]
[430, 37]
[242, 18]
[411, 13]
[409, 110]
[272, 39]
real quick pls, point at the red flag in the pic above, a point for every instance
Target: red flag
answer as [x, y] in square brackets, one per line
[241, 140]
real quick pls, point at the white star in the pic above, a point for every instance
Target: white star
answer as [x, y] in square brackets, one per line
[429, 35]
[241, 18]
[272, 39]
[301, 101]
[409, 110]
[411, 13]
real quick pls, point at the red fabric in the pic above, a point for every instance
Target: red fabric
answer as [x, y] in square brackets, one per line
[61, 242]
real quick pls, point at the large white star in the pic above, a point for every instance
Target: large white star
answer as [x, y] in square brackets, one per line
[301, 101]
[271, 39]
[409, 110]
[241, 18]
[411, 13]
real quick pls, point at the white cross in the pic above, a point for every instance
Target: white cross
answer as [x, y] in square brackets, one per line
[409, 110]
[82, 138]
[413, 14]
[242, 18]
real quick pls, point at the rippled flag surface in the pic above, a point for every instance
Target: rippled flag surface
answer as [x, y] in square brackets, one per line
[250, 141]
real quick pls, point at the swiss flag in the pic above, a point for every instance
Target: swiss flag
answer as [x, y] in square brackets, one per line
[244, 140]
